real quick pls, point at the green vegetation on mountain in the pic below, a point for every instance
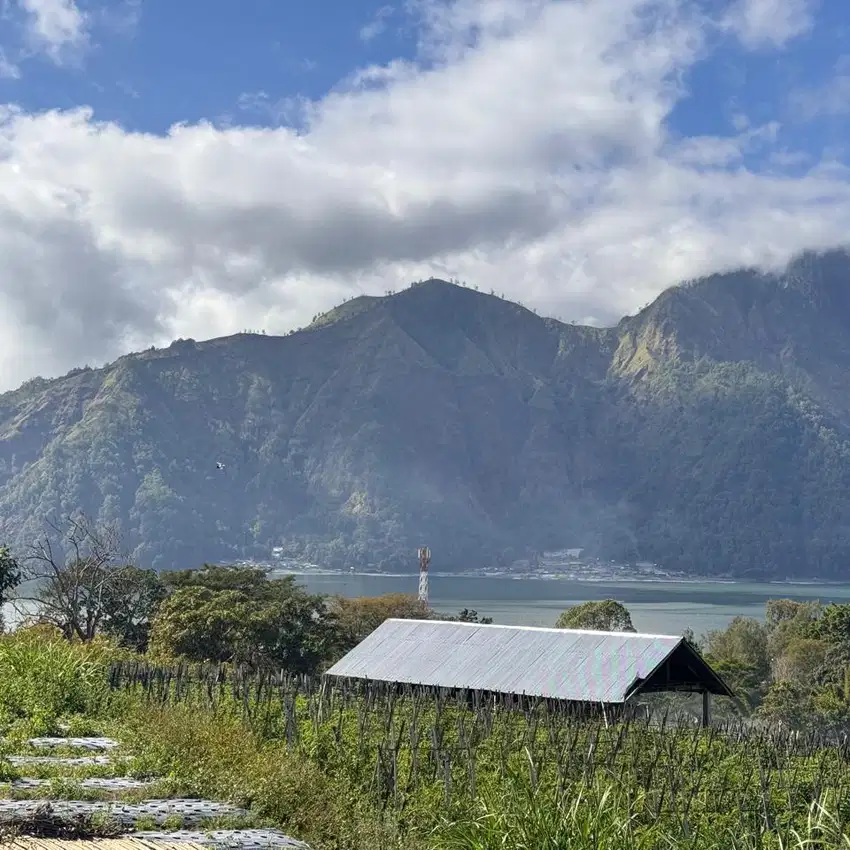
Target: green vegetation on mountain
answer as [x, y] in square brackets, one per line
[709, 433]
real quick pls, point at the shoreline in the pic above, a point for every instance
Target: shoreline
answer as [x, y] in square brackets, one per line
[613, 580]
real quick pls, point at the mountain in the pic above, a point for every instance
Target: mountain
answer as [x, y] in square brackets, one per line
[709, 433]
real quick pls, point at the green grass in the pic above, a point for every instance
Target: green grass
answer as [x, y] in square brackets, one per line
[43, 678]
[350, 781]
[347, 773]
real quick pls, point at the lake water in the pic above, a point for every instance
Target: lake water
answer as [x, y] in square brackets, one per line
[656, 607]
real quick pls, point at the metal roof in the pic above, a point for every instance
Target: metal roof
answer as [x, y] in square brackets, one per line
[566, 664]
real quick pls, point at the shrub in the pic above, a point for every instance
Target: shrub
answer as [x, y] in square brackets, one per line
[44, 677]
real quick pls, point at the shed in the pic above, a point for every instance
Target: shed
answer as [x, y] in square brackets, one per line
[565, 665]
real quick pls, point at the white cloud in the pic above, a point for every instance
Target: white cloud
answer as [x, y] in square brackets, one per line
[526, 151]
[713, 151]
[9, 69]
[58, 27]
[769, 23]
[377, 25]
[830, 99]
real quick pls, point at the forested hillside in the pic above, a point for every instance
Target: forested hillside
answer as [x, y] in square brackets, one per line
[709, 433]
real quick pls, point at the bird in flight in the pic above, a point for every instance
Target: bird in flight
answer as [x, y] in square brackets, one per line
[219, 465]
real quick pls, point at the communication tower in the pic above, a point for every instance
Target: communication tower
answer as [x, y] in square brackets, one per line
[424, 560]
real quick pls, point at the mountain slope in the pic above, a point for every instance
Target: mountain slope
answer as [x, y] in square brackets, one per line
[709, 432]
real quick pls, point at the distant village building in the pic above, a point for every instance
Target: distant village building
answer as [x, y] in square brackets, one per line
[582, 668]
[562, 554]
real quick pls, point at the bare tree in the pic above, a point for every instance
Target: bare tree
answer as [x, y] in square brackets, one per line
[10, 578]
[73, 571]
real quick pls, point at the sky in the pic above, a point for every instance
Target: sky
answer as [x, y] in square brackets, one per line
[196, 168]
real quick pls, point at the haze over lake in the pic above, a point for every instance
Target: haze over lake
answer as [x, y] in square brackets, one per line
[656, 607]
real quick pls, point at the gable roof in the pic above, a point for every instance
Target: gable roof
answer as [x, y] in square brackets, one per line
[566, 664]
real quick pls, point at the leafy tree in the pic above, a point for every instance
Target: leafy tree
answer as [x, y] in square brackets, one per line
[740, 654]
[236, 614]
[786, 621]
[780, 611]
[465, 615]
[606, 615]
[787, 703]
[201, 624]
[130, 603]
[358, 618]
[748, 686]
[250, 580]
[833, 625]
[835, 667]
[830, 706]
[743, 641]
[800, 660]
[10, 577]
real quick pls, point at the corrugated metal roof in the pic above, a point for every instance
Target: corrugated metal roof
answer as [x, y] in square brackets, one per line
[567, 664]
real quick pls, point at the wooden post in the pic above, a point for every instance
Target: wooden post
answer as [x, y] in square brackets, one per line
[706, 708]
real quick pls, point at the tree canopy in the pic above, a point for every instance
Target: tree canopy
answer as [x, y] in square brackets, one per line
[359, 617]
[794, 667]
[606, 615]
[239, 615]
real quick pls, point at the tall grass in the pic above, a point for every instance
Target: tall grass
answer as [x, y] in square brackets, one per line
[350, 768]
[439, 771]
[44, 677]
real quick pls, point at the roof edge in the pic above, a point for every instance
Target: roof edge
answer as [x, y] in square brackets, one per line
[724, 689]
[457, 689]
[536, 628]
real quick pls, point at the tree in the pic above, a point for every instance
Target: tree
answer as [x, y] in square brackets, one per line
[201, 624]
[357, 618]
[787, 620]
[800, 660]
[470, 616]
[787, 703]
[130, 603]
[740, 654]
[744, 641]
[835, 668]
[250, 580]
[606, 615]
[780, 611]
[10, 577]
[239, 615]
[77, 569]
[833, 625]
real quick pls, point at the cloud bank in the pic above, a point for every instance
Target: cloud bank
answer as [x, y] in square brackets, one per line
[526, 149]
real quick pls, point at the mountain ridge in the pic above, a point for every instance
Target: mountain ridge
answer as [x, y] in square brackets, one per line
[708, 432]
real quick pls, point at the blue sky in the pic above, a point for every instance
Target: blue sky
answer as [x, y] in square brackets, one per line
[154, 63]
[162, 62]
[576, 156]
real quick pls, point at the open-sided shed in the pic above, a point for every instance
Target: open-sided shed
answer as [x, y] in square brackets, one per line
[568, 665]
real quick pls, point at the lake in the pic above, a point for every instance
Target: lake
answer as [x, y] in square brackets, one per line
[656, 607]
